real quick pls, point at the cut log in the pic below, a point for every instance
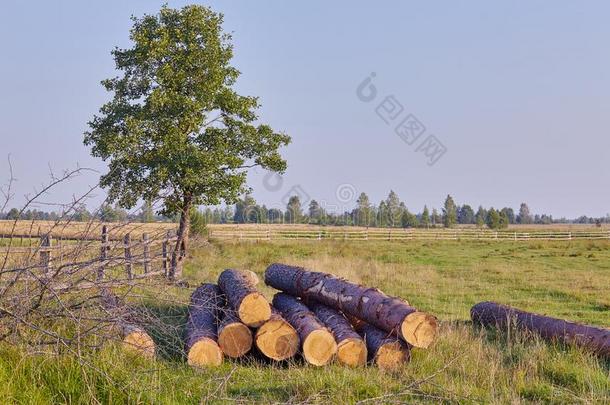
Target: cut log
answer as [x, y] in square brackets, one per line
[125, 321]
[234, 338]
[552, 329]
[317, 342]
[239, 287]
[369, 304]
[386, 351]
[276, 338]
[351, 349]
[201, 339]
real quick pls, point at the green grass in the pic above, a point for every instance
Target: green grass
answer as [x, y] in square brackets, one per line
[468, 365]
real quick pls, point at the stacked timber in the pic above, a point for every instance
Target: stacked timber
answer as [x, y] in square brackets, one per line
[234, 337]
[276, 338]
[492, 314]
[385, 351]
[389, 314]
[201, 334]
[249, 304]
[317, 342]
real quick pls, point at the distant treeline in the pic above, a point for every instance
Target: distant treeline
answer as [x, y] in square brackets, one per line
[389, 213]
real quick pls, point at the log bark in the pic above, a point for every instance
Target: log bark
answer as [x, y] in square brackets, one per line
[276, 338]
[385, 351]
[317, 342]
[552, 329]
[201, 339]
[351, 349]
[239, 287]
[369, 304]
[133, 336]
[234, 337]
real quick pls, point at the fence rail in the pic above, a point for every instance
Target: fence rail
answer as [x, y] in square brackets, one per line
[394, 234]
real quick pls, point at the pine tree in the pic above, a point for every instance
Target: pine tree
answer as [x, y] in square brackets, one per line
[449, 212]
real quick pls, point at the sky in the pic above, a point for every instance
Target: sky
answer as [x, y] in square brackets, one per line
[504, 102]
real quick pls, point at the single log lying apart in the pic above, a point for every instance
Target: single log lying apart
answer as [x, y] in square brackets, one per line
[369, 304]
[201, 332]
[125, 321]
[317, 342]
[276, 338]
[502, 316]
[351, 349]
[234, 338]
[239, 287]
[386, 351]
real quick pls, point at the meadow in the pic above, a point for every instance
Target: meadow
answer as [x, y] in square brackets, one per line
[566, 279]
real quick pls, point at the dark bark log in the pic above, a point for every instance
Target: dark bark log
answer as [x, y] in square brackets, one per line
[351, 349]
[125, 320]
[239, 287]
[201, 340]
[234, 337]
[369, 304]
[182, 239]
[552, 329]
[276, 338]
[318, 343]
[385, 351]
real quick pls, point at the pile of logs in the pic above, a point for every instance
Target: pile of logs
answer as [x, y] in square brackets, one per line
[317, 314]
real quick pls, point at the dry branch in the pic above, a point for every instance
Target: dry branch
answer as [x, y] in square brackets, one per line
[240, 289]
[369, 304]
[318, 343]
[502, 316]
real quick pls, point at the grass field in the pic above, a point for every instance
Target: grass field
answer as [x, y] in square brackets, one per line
[564, 279]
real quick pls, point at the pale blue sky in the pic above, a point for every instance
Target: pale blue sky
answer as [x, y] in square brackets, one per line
[518, 92]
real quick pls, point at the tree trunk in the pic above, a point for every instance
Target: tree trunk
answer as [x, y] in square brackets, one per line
[182, 239]
[369, 304]
[201, 332]
[124, 318]
[318, 344]
[239, 287]
[234, 338]
[385, 351]
[502, 316]
[351, 349]
[276, 338]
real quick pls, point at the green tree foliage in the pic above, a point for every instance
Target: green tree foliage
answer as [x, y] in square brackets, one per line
[147, 214]
[509, 213]
[198, 223]
[524, 216]
[393, 210]
[294, 211]
[13, 214]
[409, 220]
[494, 220]
[175, 129]
[246, 211]
[436, 217]
[481, 217]
[465, 214]
[316, 213]
[364, 212]
[449, 212]
[425, 217]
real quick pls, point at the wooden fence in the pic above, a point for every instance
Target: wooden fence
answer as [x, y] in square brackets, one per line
[149, 253]
[398, 234]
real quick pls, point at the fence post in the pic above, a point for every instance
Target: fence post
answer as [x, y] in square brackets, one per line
[146, 255]
[164, 250]
[45, 252]
[103, 252]
[128, 265]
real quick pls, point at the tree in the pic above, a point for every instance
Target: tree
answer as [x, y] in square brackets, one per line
[465, 214]
[147, 214]
[425, 217]
[13, 214]
[294, 212]
[394, 210]
[315, 212]
[509, 213]
[409, 220]
[246, 210]
[493, 219]
[524, 216]
[481, 216]
[175, 128]
[436, 217]
[449, 212]
[364, 212]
